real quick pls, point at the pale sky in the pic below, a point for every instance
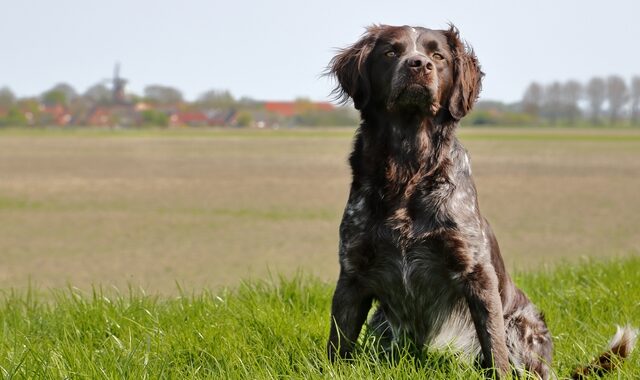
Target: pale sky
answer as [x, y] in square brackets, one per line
[277, 49]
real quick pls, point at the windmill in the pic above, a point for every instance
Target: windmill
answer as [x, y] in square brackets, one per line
[118, 85]
[116, 95]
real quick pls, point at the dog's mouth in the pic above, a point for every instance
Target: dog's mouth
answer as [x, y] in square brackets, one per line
[417, 96]
[416, 91]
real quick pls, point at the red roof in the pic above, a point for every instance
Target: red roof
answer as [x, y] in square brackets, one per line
[295, 108]
[191, 117]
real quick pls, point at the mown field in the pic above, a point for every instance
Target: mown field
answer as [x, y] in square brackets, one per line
[208, 208]
[124, 252]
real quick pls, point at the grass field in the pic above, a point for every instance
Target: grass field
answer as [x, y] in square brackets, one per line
[277, 330]
[115, 245]
[205, 208]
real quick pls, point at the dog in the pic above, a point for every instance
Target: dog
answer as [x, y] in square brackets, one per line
[412, 237]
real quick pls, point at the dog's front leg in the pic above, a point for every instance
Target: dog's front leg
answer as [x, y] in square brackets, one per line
[483, 297]
[349, 310]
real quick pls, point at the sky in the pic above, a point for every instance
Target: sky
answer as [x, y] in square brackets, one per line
[277, 50]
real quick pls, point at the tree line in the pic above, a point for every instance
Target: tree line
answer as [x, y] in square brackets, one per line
[159, 105]
[65, 94]
[609, 100]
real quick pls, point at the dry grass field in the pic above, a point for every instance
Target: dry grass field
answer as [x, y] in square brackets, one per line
[208, 208]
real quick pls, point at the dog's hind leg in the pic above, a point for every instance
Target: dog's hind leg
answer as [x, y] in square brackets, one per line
[529, 342]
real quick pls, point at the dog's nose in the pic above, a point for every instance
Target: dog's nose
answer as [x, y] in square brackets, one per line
[419, 62]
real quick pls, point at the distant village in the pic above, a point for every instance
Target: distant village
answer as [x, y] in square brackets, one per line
[600, 102]
[108, 104]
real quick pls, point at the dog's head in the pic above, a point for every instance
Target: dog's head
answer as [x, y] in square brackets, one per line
[405, 70]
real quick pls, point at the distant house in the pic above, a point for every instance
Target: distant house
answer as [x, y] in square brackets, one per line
[124, 115]
[98, 117]
[191, 119]
[213, 117]
[222, 117]
[288, 109]
[54, 115]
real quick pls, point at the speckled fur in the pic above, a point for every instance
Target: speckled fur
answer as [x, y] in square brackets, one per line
[412, 236]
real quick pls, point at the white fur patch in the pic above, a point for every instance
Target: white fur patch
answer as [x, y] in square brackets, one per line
[414, 39]
[625, 336]
[467, 163]
[458, 333]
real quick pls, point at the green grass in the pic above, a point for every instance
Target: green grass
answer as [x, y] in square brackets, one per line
[276, 330]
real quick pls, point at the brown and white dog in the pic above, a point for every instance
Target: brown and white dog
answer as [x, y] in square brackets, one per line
[412, 236]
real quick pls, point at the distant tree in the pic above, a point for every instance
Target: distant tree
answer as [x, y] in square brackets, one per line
[30, 108]
[14, 118]
[596, 93]
[70, 93]
[163, 95]
[552, 102]
[635, 100]
[532, 100]
[571, 93]
[618, 96]
[21, 113]
[245, 100]
[247, 103]
[155, 118]
[7, 98]
[244, 119]
[216, 99]
[54, 97]
[98, 94]
[61, 93]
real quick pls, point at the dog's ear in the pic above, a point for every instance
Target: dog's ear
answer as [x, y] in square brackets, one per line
[467, 76]
[349, 68]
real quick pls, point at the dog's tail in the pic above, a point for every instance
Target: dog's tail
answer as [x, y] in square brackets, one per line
[620, 348]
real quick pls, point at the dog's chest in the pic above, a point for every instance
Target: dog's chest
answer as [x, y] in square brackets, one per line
[412, 278]
[421, 297]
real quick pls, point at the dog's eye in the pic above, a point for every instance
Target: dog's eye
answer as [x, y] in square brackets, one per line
[390, 53]
[437, 56]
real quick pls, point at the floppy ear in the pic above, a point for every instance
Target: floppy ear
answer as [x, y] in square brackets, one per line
[467, 76]
[349, 68]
